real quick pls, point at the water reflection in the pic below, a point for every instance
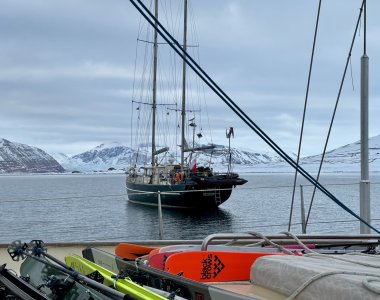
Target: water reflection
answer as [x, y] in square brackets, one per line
[178, 224]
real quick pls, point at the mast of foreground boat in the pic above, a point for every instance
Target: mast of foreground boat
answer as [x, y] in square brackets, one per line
[154, 90]
[365, 210]
[183, 109]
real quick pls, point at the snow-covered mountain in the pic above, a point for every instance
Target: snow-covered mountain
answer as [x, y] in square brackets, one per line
[119, 156]
[16, 157]
[346, 158]
[21, 158]
[101, 158]
[342, 159]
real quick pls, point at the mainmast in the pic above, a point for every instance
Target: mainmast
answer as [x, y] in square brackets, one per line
[183, 109]
[154, 100]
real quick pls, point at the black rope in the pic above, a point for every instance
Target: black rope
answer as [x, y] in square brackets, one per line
[232, 105]
[304, 112]
[365, 27]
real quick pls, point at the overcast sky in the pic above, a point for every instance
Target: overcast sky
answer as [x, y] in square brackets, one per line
[66, 70]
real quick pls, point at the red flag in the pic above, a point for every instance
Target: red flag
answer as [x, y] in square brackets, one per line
[193, 166]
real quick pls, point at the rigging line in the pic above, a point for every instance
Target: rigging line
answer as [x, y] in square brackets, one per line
[133, 89]
[161, 43]
[352, 77]
[237, 110]
[335, 109]
[62, 198]
[304, 112]
[159, 104]
[187, 110]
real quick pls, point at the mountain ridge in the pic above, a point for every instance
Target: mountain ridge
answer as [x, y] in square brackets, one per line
[117, 155]
[21, 158]
[16, 157]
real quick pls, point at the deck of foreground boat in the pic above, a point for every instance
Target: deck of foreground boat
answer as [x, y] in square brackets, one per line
[60, 250]
[246, 289]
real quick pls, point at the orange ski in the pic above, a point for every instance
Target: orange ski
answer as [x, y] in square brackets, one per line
[158, 260]
[132, 251]
[207, 266]
[154, 252]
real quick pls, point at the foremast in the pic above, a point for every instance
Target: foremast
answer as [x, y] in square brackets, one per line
[183, 108]
[154, 91]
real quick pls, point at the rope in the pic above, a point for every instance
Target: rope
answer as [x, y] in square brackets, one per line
[298, 241]
[367, 283]
[281, 248]
[237, 110]
[320, 255]
[304, 112]
[325, 274]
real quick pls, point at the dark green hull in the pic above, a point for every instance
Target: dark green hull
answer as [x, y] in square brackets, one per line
[189, 195]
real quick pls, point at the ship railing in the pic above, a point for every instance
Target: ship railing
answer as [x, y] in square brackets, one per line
[254, 238]
[139, 192]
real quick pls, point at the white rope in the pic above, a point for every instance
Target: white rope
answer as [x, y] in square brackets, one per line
[320, 255]
[321, 275]
[298, 241]
[367, 283]
[258, 244]
[281, 248]
[364, 254]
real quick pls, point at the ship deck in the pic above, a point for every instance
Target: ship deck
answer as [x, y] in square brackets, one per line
[245, 289]
[60, 250]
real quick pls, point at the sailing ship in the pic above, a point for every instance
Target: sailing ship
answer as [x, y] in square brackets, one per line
[182, 184]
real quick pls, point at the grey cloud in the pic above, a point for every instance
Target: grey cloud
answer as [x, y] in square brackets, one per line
[66, 68]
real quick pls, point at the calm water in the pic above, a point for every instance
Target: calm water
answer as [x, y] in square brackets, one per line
[95, 208]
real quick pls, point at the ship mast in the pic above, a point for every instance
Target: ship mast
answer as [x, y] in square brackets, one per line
[365, 211]
[183, 109]
[154, 100]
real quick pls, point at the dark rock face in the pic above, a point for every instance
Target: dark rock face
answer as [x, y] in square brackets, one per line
[20, 158]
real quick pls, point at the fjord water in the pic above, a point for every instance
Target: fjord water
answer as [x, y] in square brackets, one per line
[79, 207]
